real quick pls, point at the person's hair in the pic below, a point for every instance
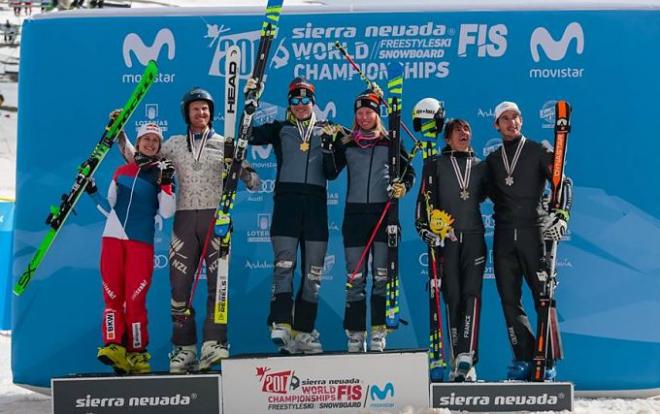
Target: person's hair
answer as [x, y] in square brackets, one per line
[453, 124]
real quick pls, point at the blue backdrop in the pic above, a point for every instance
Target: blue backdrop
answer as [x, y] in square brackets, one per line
[75, 70]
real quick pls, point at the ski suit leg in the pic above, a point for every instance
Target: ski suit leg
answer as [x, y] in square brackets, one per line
[139, 269]
[356, 229]
[379, 286]
[508, 276]
[473, 263]
[112, 274]
[285, 231]
[185, 249]
[451, 289]
[314, 244]
[530, 251]
[212, 331]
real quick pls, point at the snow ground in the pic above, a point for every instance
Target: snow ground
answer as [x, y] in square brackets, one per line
[16, 400]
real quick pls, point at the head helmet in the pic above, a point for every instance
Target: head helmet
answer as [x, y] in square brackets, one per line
[196, 94]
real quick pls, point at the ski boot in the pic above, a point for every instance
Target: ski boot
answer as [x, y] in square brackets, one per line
[139, 362]
[280, 335]
[463, 366]
[378, 334]
[357, 341]
[519, 370]
[183, 359]
[115, 356]
[212, 353]
[308, 342]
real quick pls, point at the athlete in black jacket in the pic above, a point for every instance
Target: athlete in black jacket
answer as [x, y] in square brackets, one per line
[518, 171]
[457, 187]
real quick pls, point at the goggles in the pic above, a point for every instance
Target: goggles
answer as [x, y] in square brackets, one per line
[300, 101]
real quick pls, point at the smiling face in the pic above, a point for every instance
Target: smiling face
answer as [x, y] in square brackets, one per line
[200, 115]
[458, 135]
[148, 144]
[366, 118]
[509, 124]
[301, 110]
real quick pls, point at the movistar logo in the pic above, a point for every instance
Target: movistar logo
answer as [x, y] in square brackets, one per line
[133, 43]
[556, 49]
[380, 394]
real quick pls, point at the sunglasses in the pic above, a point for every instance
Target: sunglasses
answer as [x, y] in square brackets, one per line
[299, 101]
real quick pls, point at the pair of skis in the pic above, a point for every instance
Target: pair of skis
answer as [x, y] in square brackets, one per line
[548, 338]
[222, 228]
[59, 214]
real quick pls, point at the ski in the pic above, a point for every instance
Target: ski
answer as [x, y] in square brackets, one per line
[268, 33]
[548, 340]
[395, 90]
[232, 64]
[58, 215]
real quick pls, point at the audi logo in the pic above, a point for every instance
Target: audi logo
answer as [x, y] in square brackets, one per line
[160, 261]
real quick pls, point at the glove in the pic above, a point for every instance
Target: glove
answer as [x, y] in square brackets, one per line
[555, 225]
[114, 114]
[328, 134]
[252, 86]
[166, 171]
[144, 161]
[376, 89]
[396, 190]
[91, 186]
[430, 238]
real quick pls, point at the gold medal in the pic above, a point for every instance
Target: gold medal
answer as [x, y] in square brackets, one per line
[304, 146]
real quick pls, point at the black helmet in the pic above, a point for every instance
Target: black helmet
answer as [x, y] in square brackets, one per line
[196, 94]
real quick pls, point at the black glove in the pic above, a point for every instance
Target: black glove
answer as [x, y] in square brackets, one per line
[144, 161]
[166, 171]
[91, 186]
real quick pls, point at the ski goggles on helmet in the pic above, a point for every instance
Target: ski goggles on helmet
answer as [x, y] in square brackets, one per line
[303, 100]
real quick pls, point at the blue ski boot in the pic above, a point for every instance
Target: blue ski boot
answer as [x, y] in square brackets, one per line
[550, 373]
[519, 370]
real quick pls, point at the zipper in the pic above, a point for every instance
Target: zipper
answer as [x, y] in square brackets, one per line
[130, 199]
[371, 162]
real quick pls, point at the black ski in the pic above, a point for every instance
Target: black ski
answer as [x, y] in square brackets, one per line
[548, 340]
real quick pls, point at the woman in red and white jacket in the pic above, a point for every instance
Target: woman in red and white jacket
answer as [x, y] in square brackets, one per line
[139, 191]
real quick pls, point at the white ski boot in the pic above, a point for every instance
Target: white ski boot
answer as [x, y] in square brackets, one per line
[183, 359]
[212, 353]
[308, 342]
[357, 341]
[378, 334]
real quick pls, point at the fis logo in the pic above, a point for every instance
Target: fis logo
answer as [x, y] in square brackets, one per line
[556, 49]
[490, 41]
[143, 53]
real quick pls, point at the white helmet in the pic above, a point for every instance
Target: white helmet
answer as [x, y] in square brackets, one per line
[429, 109]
